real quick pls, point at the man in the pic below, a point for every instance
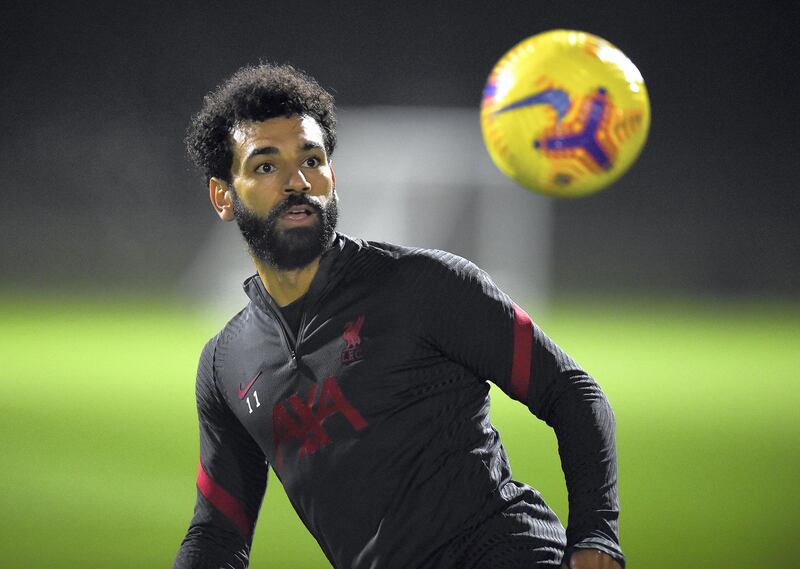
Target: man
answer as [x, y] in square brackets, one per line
[359, 370]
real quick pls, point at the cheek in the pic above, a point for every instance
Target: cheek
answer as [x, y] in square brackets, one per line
[323, 183]
[260, 201]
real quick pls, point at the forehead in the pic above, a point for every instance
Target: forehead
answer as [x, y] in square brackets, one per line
[280, 132]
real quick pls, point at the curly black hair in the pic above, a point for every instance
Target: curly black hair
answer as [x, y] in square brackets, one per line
[255, 93]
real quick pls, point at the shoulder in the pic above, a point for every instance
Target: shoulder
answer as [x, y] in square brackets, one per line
[434, 268]
[218, 345]
[211, 367]
[415, 259]
[375, 260]
[433, 273]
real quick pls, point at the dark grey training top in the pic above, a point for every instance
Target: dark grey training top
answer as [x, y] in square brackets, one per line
[375, 417]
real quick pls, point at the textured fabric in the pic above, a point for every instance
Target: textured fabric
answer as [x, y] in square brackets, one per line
[375, 417]
[293, 315]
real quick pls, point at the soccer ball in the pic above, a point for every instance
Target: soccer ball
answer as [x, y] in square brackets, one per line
[564, 113]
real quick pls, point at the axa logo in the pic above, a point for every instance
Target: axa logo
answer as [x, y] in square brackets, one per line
[352, 337]
[301, 420]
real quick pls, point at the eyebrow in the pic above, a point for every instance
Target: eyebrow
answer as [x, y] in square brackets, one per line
[272, 150]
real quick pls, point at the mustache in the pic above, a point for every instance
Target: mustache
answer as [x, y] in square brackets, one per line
[295, 200]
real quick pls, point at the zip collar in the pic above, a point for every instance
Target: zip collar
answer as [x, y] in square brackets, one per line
[331, 270]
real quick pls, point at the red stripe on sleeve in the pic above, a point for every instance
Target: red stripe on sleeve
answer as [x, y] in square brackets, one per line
[232, 508]
[521, 362]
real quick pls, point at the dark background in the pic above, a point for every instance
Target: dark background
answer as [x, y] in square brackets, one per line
[96, 98]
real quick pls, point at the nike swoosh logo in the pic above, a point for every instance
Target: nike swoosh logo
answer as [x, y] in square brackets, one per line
[243, 391]
[556, 98]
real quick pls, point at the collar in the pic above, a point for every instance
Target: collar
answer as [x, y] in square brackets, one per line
[331, 269]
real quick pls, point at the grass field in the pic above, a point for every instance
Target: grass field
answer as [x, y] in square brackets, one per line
[99, 445]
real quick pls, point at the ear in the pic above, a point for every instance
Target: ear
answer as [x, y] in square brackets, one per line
[221, 198]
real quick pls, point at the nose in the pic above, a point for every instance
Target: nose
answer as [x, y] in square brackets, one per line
[297, 182]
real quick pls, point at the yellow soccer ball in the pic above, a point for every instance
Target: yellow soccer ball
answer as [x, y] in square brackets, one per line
[565, 113]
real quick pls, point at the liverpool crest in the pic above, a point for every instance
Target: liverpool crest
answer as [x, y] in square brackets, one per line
[352, 337]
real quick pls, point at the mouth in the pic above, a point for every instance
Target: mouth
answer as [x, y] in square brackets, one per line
[299, 214]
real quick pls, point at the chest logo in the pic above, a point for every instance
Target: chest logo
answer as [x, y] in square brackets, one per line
[302, 420]
[243, 390]
[352, 337]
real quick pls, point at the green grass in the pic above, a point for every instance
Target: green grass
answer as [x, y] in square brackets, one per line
[99, 447]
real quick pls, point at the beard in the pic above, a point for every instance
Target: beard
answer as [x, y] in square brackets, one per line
[287, 249]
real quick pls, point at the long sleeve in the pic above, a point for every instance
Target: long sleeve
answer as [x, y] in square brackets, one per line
[231, 480]
[474, 323]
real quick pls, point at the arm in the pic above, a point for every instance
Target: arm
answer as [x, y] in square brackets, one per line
[231, 480]
[477, 325]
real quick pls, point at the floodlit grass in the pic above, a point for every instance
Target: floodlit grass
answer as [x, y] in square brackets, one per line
[99, 444]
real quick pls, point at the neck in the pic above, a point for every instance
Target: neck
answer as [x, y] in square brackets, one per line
[287, 286]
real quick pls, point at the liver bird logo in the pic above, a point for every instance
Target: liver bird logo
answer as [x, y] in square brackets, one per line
[352, 331]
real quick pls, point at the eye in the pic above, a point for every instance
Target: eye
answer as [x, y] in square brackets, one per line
[265, 168]
[313, 162]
